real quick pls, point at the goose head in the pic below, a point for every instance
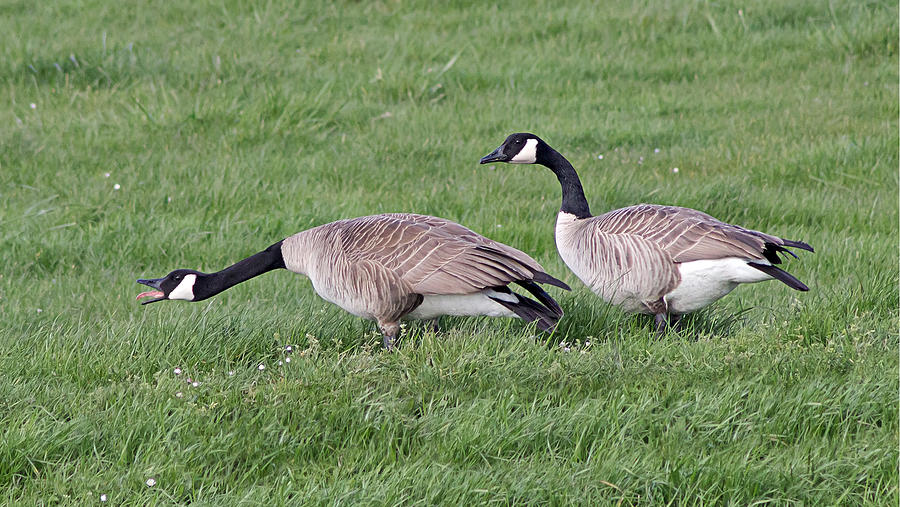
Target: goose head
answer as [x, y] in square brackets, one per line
[521, 148]
[185, 284]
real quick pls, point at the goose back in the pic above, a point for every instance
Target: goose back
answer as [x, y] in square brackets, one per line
[381, 265]
[685, 234]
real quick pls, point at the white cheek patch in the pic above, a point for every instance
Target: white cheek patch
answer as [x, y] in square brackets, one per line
[185, 289]
[527, 155]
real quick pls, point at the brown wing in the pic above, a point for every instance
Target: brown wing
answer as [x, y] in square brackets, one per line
[685, 234]
[432, 255]
[455, 230]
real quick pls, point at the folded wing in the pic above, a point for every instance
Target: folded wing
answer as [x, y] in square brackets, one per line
[689, 235]
[436, 256]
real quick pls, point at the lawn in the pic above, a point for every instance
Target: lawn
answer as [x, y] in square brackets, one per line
[136, 138]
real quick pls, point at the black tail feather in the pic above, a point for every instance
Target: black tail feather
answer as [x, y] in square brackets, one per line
[771, 250]
[542, 296]
[798, 244]
[791, 253]
[541, 277]
[780, 274]
[529, 310]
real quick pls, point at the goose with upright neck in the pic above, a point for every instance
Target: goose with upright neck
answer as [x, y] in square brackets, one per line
[390, 267]
[664, 261]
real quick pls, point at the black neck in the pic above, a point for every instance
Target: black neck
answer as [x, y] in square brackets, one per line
[241, 271]
[573, 200]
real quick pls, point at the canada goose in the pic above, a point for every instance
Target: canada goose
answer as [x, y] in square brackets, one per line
[664, 261]
[388, 267]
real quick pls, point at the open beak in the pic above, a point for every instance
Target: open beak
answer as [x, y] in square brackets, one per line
[158, 294]
[495, 156]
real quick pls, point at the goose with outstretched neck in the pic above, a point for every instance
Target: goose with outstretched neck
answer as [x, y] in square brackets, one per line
[391, 267]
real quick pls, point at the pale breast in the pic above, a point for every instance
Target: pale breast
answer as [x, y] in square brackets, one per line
[624, 270]
[335, 285]
[568, 234]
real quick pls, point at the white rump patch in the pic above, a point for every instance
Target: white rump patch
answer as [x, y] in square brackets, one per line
[508, 297]
[463, 305]
[527, 155]
[185, 289]
[705, 281]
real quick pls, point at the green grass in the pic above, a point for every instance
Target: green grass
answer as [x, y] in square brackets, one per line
[232, 125]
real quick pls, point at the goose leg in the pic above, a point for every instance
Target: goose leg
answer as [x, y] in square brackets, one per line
[660, 311]
[661, 321]
[390, 331]
[435, 325]
[675, 321]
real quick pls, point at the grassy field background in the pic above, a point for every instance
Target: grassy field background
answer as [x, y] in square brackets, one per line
[136, 138]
